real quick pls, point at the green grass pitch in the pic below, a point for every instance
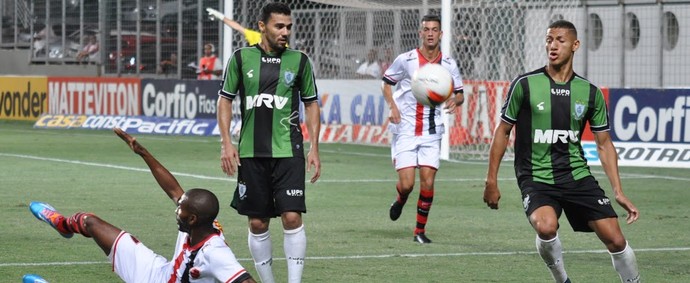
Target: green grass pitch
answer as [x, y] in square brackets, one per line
[350, 238]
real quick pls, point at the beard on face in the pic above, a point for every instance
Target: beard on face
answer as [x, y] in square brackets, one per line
[183, 226]
[275, 46]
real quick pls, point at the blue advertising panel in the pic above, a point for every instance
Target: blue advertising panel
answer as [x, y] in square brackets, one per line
[650, 115]
[649, 128]
[180, 99]
[131, 124]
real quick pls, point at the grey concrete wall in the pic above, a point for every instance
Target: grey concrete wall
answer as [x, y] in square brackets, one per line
[16, 62]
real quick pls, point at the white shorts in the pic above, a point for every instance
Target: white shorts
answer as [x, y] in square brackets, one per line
[416, 151]
[134, 262]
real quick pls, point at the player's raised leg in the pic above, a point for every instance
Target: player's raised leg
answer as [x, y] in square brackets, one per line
[86, 224]
[622, 255]
[403, 189]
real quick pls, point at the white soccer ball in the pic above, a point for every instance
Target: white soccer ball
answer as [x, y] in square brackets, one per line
[432, 84]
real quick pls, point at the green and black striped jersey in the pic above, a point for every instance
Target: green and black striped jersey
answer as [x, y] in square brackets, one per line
[549, 119]
[270, 87]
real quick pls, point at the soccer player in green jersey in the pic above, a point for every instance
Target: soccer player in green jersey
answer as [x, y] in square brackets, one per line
[549, 108]
[271, 81]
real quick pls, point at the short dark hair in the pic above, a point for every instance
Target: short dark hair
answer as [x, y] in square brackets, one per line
[431, 18]
[274, 7]
[204, 204]
[564, 25]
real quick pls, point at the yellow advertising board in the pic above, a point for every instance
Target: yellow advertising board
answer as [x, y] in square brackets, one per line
[23, 98]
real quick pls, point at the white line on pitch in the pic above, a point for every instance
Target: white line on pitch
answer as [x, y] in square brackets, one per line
[466, 254]
[177, 174]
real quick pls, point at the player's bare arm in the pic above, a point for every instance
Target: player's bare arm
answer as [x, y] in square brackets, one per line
[457, 100]
[220, 16]
[229, 158]
[313, 126]
[498, 148]
[165, 179]
[609, 161]
[388, 96]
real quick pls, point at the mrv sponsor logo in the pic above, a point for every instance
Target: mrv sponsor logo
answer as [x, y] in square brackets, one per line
[266, 100]
[555, 136]
[652, 116]
[183, 100]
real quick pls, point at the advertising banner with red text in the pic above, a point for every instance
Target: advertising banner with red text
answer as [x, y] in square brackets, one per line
[353, 111]
[94, 96]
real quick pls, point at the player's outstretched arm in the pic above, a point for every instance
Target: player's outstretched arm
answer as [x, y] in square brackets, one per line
[164, 178]
[498, 148]
[227, 21]
[609, 161]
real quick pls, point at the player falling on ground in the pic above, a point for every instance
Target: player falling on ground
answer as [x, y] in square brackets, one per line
[550, 107]
[417, 129]
[201, 254]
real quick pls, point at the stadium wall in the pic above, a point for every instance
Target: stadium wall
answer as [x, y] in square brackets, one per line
[650, 127]
[15, 62]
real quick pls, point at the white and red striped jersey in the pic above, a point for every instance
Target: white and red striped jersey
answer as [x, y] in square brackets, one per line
[213, 262]
[417, 119]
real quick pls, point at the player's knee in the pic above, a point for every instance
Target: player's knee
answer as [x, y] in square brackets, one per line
[615, 244]
[545, 229]
[427, 184]
[406, 186]
[291, 220]
[258, 225]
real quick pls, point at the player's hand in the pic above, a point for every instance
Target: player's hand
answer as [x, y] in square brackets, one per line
[229, 159]
[131, 141]
[633, 213]
[491, 194]
[313, 160]
[394, 115]
[215, 13]
[455, 102]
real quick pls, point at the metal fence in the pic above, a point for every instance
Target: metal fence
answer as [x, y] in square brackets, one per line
[626, 43]
[142, 37]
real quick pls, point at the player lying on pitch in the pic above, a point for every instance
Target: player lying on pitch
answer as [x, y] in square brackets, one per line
[201, 253]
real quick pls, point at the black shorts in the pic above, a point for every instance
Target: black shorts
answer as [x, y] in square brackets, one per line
[267, 187]
[582, 200]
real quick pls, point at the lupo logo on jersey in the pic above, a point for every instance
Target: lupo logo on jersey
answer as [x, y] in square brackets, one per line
[560, 92]
[270, 60]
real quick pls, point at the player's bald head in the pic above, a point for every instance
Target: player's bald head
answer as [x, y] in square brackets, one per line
[204, 204]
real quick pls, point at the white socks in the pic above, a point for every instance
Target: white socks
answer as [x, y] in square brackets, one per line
[262, 253]
[551, 252]
[295, 245]
[625, 264]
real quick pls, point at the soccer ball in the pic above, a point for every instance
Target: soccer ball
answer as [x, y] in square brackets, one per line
[432, 84]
